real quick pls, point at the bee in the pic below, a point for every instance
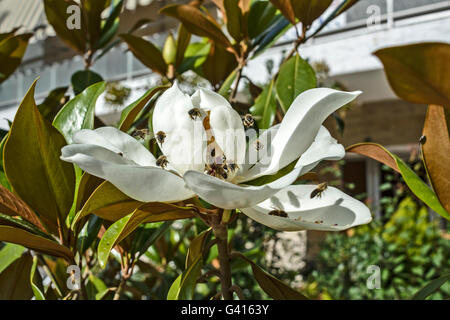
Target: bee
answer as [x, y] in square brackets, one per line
[248, 121]
[278, 213]
[140, 133]
[120, 154]
[319, 190]
[318, 221]
[232, 166]
[423, 139]
[160, 136]
[195, 113]
[162, 162]
[258, 145]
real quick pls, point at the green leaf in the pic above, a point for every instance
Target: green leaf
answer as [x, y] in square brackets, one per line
[265, 107]
[431, 287]
[266, 39]
[108, 203]
[225, 88]
[12, 50]
[147, 235]
[295, 76]
[234, 19]
[183, 287]
[96, 288]
[149, 212]
[15, 280]
[78, 113]
[261, 15]
[275, 288]
[37, 292]
[83, 79]
[111, 26]
[196, 22]
[56, 12]
[88, 233]
[418, 73]
[146, 52]
[92, 12]
[34, 242]
[10, 253]
[130, 113]
[218, 65]
[421, 189]
[196, 247]
[183, 39]
[33, 167]
[51, 105]
[195, 56]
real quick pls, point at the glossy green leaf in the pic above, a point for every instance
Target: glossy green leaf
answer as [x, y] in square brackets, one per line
[196, 22]
[9, 253]
[275, 288]
[265, 40]
[183, 39]
[431, 287]
[234, 19]
[12, 50]
[37, 292]
[265, 107]
[146, 52]
[88, 233]
[419, 72]
[51, 105]
[421, 189]
[83, 79]
[57, 15]
[225, 88]
[183, 287]
[78, 113]
[15, 280]
[218, 65]
[96, 288]
[107, 202]
[34, 242]
[295, 76]
[195, 56]
[111, 26]
[149, 212]
[261, 15]
[33, 167]
[16, 222]
[147, 235]
[130, 113]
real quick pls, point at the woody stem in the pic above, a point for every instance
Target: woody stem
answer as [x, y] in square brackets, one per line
[221, 233]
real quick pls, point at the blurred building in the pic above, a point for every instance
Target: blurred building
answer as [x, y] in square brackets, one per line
[345, 46]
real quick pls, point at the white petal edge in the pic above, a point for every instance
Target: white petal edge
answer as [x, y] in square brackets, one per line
[115, 140]
[333, 211]
[301, 124]
[146, 184]
[228, 195]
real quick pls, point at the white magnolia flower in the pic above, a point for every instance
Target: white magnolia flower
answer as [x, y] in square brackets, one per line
[203, 140]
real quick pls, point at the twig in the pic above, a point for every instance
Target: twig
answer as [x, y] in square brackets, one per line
[235, 288]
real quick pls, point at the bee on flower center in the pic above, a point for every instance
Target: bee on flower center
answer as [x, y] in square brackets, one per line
[248, 121]
[162, 162]
[160, 136]
[142, 133]
[319, 190]
[278, 213]
[195, 113]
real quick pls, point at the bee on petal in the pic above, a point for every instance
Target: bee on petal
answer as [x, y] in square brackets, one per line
[195, 113]
[317, 192]
[248, 121]
[160, 136]
[278, 213]
[162, 162]
[142, 133]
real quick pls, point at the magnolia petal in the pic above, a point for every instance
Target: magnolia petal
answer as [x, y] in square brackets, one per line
[301, 124]
[184, 144]
[253, 156]
[227, 195]
[333, 211]
[324, 147]
[146, 184]
[225, 123]
[117, 141]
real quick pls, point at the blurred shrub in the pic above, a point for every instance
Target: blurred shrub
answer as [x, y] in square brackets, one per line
[408, 248]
